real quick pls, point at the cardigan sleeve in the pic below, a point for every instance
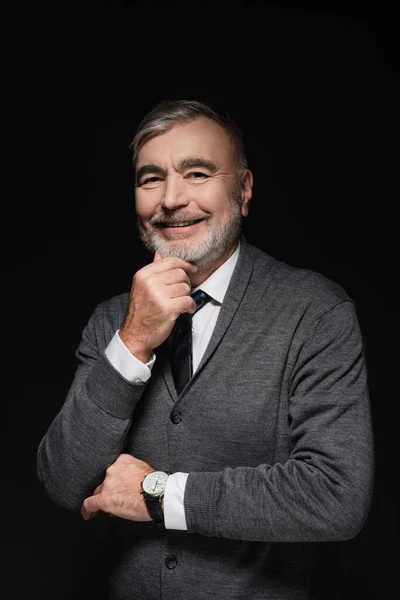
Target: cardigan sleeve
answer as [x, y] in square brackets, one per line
[89, 432]
[323, 491]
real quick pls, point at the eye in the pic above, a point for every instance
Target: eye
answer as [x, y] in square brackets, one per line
[196, 175]
[149, 180]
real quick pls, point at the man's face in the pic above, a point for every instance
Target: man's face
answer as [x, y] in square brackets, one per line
[189, 197]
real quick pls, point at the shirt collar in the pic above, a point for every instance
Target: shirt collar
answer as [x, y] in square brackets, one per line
[217, 284]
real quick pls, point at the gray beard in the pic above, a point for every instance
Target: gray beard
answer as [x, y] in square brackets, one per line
[217, 240]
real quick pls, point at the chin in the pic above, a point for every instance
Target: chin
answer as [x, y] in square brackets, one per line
[216, 242]
[196, 253]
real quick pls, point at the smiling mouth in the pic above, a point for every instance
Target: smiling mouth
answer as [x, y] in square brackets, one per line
[177, 224]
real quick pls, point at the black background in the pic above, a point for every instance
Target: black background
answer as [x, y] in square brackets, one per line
[316, 92]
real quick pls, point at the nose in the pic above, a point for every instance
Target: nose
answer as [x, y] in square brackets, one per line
[174, 195]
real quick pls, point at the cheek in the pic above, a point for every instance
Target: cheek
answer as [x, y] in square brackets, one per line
[221, 209]
[217, 200]
[145, 208]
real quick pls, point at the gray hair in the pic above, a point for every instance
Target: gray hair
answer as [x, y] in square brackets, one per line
[169, 112]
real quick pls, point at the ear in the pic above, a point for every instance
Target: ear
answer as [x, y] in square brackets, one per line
[247, 191]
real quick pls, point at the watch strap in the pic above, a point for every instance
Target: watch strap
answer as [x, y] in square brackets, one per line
[154, 509]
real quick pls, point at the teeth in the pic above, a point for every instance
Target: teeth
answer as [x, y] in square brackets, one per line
[183, 224]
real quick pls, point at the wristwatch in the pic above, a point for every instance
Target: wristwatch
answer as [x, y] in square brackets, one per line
[153, 488]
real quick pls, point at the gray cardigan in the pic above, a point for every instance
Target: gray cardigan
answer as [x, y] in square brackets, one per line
[274, 430]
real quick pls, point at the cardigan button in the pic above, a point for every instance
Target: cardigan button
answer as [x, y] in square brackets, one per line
[171, 562]
[176, 418]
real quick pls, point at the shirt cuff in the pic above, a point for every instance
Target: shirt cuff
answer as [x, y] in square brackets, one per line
[126, 364]
[174, 510]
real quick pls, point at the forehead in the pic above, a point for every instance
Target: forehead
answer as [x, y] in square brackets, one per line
[201, 137]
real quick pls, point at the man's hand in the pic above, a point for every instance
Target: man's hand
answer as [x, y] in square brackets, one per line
[160, 293]
[119, 494]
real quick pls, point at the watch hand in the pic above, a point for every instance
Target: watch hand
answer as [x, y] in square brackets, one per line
[155, 485]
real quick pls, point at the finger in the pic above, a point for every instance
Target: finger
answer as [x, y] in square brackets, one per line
[176, 290]
[174, 276]
[157, 256]
[124, 459]
[183, 304]
[90, 507]
[171, 262]
[87, 516]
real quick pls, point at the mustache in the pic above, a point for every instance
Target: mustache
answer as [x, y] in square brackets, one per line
[178, 215]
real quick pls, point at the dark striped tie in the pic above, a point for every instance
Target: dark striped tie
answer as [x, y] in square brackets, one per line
[181, 344]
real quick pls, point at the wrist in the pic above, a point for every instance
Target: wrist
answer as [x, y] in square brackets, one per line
[153, 488]
[138, 350]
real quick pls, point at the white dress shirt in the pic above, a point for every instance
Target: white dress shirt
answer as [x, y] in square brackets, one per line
[135, 371]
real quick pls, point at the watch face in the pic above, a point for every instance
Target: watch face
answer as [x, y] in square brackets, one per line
[154, 483]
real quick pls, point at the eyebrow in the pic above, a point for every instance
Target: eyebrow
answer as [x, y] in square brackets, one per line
[147, 170]
[191, 162]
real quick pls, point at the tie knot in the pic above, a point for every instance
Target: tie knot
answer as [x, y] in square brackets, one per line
[201, 298]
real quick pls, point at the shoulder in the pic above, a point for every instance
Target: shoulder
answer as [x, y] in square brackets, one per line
[296, 286]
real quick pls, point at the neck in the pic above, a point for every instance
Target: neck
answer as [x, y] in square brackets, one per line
[205, 272]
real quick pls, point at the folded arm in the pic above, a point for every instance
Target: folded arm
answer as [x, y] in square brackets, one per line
[89, 432]
[323, 492]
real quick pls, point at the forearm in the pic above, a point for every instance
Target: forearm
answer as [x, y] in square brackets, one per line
[288, 502]
[323, 491]
[89, 432]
